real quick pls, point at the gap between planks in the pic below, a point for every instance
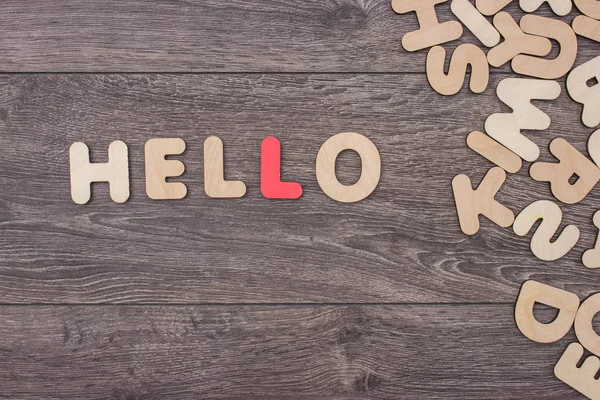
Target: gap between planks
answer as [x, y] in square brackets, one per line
[458, 304]
[341, 73]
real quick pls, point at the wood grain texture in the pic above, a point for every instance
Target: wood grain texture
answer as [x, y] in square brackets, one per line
[218, 36]
[402, 244]
[274, 353]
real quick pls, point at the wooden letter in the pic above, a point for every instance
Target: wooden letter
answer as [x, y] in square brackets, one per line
[472, 203]
[464, 55]
[582, 93]
[371, 167]
[517, 94]
[215, 184]
[475, 22]
[594, 146]
[587, 27]
[554, 29]
[157, 169]
[494, 151]
[591, 258]
[115, 172]
[571, 163]
[560, 7]
[551, 216]
[584, 328]
[535, 292]
[515, 42]
[491, 7]
[431, 32]
[270, 173]
[582, 379]
[591, 8]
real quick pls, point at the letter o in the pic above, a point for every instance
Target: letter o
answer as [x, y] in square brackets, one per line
[371, 167]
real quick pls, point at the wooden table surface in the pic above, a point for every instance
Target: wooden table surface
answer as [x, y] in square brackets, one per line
[253, 298]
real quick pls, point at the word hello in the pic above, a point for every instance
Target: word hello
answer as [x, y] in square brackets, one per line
[116, 170]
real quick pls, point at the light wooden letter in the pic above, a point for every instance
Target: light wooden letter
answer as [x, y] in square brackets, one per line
[587, 27]
[551, 216]
[472, 203]
[535, 292]
[491, 7]
[215, 184]
[115, 172]
[431, 32]
[594, 146]
[371, 167]
[475, 22]
[584, 328]
[494, 151]
[582, 93]
[582, 379]
[560, 7]
[517, 94]
[157, 169]
[571, 163]
[464, 55]
[591, 258]
[591, 8]
[550, 28]
[515, 42]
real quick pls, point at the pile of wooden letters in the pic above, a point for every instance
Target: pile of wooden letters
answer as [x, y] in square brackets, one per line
[526, 45]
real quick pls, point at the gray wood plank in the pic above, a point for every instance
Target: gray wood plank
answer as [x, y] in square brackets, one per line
[257, 352]
[402, 244]
[215, 36]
